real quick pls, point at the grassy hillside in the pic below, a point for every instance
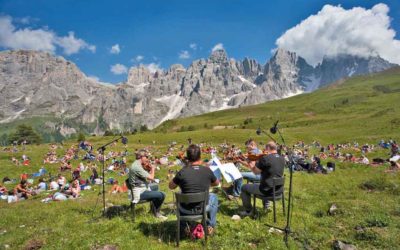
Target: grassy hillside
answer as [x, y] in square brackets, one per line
[364, 108]
[70, 224]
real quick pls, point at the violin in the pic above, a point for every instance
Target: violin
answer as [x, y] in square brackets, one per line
[256, 157]
[251, 157]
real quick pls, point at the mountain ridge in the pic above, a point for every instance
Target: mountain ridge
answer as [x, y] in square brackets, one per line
[35, 84]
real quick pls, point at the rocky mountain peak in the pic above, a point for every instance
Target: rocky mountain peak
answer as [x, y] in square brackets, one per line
[39, 84]
[139, 74]
[219, 56]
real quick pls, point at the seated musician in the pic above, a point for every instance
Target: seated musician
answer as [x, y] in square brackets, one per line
[252, 148]
[140, 172]
[269, 166]
[194, 178]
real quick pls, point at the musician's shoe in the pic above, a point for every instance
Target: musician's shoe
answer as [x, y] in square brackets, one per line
[232, 197]
[243, 214]
[161, 217]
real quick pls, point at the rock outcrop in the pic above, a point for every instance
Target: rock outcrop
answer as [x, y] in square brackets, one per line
[38, 84]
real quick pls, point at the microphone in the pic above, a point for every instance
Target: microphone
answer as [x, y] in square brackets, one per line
[274, 129]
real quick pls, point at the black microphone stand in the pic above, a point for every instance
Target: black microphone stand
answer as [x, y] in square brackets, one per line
[101, 150]
[287, 229]
[289, 210]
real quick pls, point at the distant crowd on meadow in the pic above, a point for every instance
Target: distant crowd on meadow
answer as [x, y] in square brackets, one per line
[82, 160]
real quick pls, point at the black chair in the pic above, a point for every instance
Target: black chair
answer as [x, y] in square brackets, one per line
[133, 205]
[188, 199]
[276, 181]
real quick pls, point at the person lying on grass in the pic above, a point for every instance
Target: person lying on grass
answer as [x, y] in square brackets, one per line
[195, 178]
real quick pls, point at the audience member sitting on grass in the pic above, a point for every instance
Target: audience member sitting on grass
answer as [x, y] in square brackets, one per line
[76, 174]
[66, 166]
[116, 188]
[23, 176]
[42, 186]
[94, 175]
[54, 185]
[12, 197]
[394, 164]
[15, 161]
[195, 178]
[61, 181]
[140, 172]
[74, 189]
[21, 190]
[3, 190]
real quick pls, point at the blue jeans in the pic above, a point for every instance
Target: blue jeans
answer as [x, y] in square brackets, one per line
[211, 208]
[154, 196]
[237, 184]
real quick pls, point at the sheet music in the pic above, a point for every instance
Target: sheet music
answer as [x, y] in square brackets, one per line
[228, 170]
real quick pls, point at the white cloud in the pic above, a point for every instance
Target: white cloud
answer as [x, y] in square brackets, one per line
[335, 30]
[38, 39]
[153, 67]
[71, 45]
[26, 20]
[218, 46]
[193, 46]
[137, 59]
[184, 54]
[115, 49]
[118, 69]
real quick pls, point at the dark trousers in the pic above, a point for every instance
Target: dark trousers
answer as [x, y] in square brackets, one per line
[247, 191]
[155, 197]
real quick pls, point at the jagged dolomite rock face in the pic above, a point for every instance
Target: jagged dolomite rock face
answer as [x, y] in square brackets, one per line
[36, 84]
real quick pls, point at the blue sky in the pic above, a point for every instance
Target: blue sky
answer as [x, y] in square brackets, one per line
[161, 30]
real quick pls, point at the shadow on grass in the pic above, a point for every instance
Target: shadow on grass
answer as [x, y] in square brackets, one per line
[226, 208]
[164, 231]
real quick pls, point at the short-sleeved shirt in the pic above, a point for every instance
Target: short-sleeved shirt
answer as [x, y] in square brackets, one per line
[255, 151]
[137, 175]
[42, 186]
[271, 166]
[194, 179]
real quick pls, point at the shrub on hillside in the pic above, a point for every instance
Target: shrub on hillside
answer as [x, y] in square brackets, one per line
[108, 133]
[247, 121]
[81, 137]
[25, 132]
[143, 128]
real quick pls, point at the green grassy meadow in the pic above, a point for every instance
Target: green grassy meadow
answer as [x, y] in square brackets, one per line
[364, 109]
